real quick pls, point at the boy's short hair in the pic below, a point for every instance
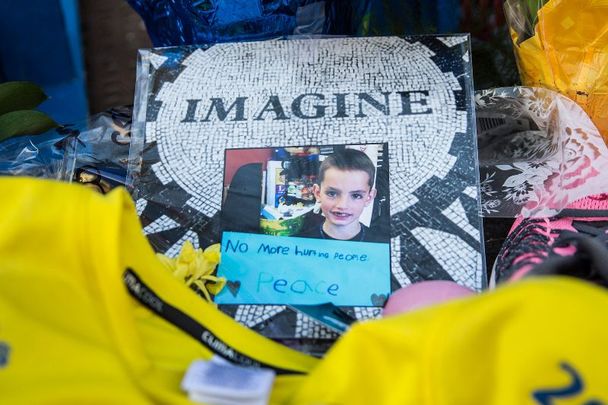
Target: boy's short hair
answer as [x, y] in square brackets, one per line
[348, 159]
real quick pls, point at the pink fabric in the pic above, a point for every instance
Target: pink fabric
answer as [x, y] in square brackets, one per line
[552, 229]
[423, 294]
[594, 202]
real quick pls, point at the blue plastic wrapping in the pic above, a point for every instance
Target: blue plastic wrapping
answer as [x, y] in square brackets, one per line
[94, 152]
[36, 156]
[187, 22]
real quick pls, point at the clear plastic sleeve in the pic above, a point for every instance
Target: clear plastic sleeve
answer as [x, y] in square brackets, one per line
[538, 152]
[227, 145]
[97, 154]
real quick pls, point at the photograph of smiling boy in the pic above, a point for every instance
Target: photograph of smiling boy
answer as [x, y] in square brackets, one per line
[344, 188]
[336, 192]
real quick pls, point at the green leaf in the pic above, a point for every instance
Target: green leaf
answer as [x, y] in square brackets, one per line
[24, 122]
[15, 96]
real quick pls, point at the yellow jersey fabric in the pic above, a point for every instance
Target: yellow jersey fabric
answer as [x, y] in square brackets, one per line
[79, 285]
[88, 315]
[540, 341]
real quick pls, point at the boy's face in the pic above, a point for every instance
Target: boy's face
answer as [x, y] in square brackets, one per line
[343, 195]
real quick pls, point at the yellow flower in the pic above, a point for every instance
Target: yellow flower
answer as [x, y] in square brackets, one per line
[196, 267]
[212, 253]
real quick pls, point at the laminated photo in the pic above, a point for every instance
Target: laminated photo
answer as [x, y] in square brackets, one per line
[306, 225]
[332, 170]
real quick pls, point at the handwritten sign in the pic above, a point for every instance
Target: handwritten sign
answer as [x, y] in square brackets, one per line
[276, 270]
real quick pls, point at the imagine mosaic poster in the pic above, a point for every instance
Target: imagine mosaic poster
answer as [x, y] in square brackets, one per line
[239, 143]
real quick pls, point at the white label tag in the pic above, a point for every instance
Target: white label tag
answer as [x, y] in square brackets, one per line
[220, 383]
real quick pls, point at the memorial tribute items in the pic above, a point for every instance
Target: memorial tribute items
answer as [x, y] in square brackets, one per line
[309, 159]
[108, 313]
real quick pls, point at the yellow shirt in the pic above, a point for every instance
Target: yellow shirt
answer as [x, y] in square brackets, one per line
[88, 315]
[539, 342]
[72, 331]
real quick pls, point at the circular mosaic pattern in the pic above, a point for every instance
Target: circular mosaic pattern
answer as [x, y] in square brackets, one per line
[355, 85]
[192, 153]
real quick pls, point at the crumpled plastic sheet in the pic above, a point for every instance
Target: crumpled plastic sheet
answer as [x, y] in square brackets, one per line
[564, 47]
[35, 156]
[98, 156]
[538, 152]
[94, 152]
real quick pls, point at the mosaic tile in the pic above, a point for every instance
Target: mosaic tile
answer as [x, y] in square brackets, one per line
[200, 101]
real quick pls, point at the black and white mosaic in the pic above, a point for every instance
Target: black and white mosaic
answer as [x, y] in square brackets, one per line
[414, 93]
